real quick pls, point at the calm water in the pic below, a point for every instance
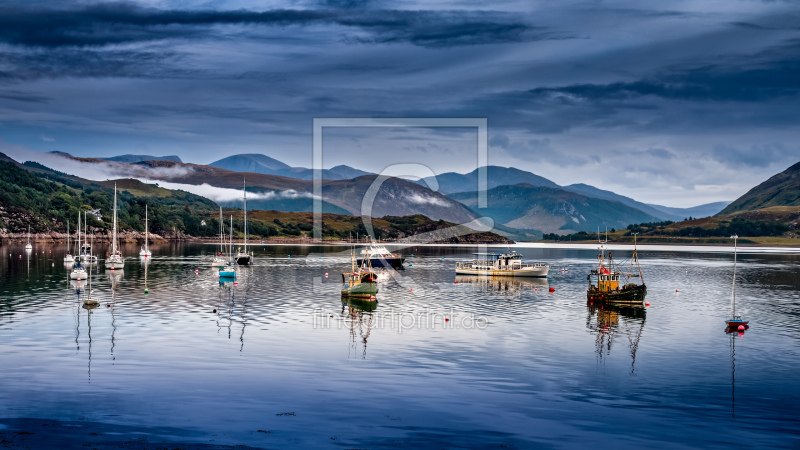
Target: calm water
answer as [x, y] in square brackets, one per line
[283, 362]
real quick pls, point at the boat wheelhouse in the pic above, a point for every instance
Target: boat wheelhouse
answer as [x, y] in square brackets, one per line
[501, 265]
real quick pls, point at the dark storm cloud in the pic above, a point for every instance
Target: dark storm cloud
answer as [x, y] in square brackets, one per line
[117, 23]
[71, 62]
[21, 96]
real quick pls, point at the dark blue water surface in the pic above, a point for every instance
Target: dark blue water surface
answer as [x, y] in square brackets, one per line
[283, 362]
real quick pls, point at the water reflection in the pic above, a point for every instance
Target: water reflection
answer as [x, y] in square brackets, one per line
[608, 321]
[505, 285]
[359, 318]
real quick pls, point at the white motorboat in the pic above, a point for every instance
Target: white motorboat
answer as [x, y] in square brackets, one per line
[501, 265]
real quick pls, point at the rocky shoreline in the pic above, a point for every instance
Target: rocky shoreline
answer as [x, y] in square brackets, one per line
[123, 236]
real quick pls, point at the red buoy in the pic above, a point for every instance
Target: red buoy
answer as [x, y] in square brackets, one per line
[676, 290]
[235, 283]
[552, 289]
[447, 319]
[647, 304]
[741, 327]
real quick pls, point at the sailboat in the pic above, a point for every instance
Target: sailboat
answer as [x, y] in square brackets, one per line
[28, 246]
[85, 254]
[735, 322]
[243, 255]
[69, 258]
[229, 269]
[89, 301]
[219, 259]
[145, 251]
[115, 259]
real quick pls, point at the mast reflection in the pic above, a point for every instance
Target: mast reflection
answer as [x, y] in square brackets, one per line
[609, 320]
[358, 316]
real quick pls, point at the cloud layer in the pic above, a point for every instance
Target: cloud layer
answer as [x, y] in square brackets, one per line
[686, 105]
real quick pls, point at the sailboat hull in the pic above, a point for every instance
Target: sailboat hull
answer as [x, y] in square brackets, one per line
[244, 260]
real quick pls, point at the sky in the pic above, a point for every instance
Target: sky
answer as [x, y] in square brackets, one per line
[675, 103]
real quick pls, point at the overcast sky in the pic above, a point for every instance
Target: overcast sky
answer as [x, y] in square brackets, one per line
[680, 103]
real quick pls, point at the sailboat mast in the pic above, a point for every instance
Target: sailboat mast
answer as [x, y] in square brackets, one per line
[231, 239]
[114, 231]
[733, 291]
[67, 235]
[146, 230]
[244, 189]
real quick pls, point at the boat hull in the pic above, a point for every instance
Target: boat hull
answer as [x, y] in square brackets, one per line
[244, 260]
[537, 272]
[115, 265]
[626, 295]
[78, 275]
[362, 290]
[218, 262]
[392, 262]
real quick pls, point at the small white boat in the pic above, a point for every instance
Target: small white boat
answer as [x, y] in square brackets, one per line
[69, 258]
[28, 246]
[78, 272]
[85, 254]
[115, 259]
[501, 265]
[145, 251]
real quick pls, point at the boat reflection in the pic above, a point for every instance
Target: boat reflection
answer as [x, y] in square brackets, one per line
[359, 318]
[506, 285]
[610, 321]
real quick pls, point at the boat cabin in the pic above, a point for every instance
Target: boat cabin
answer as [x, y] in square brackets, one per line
[496, 261]
[606, 280]
[354, 278]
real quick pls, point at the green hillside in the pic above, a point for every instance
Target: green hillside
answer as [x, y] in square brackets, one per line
[782, 189]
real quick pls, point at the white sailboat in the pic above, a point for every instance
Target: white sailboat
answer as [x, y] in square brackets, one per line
[229, 270]
[145, 251]
[78, 271]
[243, 255]
[115, 259]
[28, 246]
[219, 259]
[735, 321]
[69, 258]
[85, 255]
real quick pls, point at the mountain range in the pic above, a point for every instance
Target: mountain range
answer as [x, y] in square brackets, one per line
[519, 201]
[263, 164]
